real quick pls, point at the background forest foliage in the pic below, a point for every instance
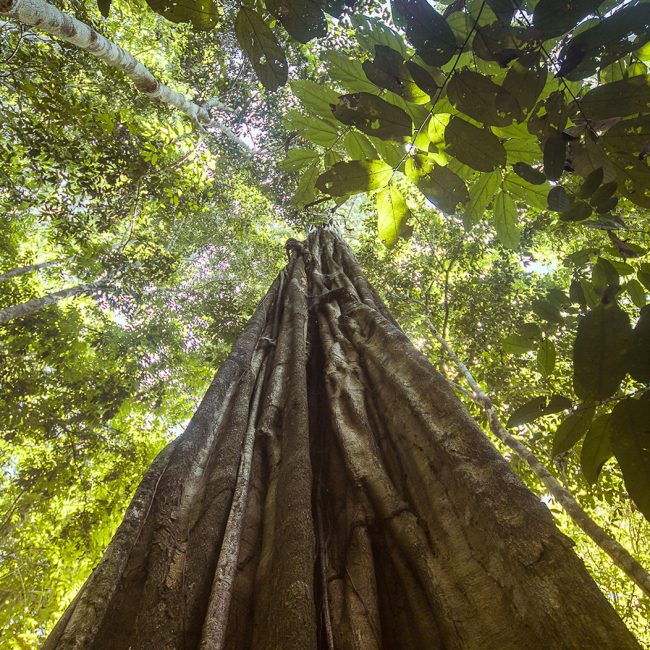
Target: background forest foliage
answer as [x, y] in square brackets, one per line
[486, 160]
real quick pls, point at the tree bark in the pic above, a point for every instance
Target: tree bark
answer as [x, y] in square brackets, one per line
[332, 491]
[32, 306]
[47, 18]
[23, 270]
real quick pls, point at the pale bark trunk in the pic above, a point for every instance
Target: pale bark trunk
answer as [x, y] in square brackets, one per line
[47, 18]
[32, 306]
[23, 270]
[371, 512]
[621, 558]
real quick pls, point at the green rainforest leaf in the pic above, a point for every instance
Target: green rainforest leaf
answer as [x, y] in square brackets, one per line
[439, 184]
[506, 220]
[630, 440]
[478, 148]
[303, 19]
[616, 99]
[388, 71]
[480, 196]
[202, 14]
[596, 448]
[555, 17]
[600, 352]
[572, 429]
[546, 357]
[262, 49]
[315, 97]
[373, 116]
[537, 408]
[392, 216]
[354, 177]
[639, 364]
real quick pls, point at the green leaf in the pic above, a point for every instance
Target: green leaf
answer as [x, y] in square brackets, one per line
[262, 49]
[104, 7]
[371, 31]
[572, 429]
[505, 220]
[426, 29]
[374, 116]
[528, 173]
[556, 17]
[640, 352]
[348, 71]
[358, 146]
[297, 159]
[610, 39]
[518, 344]
[600, 352]
[616, 99]
[316, 130]
[202, 14]
[303, 19]
[591, 183]
[531, 195]
[388, 71]
[315, 97]
[480, 195]
[546, 357]
[439, 184]
[596, 448]
[554, 156]
[478, 148]
[354, 177]
[536, 408]
[547, 311]
[630, 439]
[305, 192]
[526, 79]
[479, 97]
[392, 216]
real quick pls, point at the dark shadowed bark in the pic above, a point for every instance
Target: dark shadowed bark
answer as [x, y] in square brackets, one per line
[332, 492]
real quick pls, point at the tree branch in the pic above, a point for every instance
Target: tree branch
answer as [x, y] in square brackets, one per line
[619, 555]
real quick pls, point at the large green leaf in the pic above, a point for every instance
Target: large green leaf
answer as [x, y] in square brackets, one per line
[262, 49]
[609, 40]
[297, 159]
[478, 148]
[554, 156]
[640, 352]
[479, 97]
[426, 29]
[556, 17]
[388, 71]
[358, 146]
[374, 116]
[305, 192]
[480, 195]
[439, 184]
[319, 131]
[202, 14]
[616, 99]
[371, 31]
[600, 352]
[392, 216]
[630, 439]
[596, 448]
[546, 357]
[354, 177]
[506, 220]
[502, 43]
[526, 79]
[303, 19]
[572, 429]
[347, 71]
[315, 97]
[536, 408]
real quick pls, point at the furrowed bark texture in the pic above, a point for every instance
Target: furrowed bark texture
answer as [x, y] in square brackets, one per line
[332, 492]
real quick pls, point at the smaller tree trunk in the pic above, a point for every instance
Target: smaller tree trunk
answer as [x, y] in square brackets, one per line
[46, 17]
[23, 270]
[32, 306]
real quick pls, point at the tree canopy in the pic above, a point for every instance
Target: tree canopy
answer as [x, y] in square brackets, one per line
[486, 159]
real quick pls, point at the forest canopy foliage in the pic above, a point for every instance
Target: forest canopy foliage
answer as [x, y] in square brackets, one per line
[487, 159]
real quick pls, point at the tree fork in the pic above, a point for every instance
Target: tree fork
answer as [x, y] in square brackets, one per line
[373, 499]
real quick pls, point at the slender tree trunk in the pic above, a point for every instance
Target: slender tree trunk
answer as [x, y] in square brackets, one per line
[331, 491]
[32, 306]
[47, 18]
[23, 270]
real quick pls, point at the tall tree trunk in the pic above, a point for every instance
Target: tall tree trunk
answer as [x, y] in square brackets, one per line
[332, 492]
[23, 270]
[49, 19]
[32, 306]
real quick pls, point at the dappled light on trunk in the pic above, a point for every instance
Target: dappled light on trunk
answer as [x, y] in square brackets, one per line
[332, 492]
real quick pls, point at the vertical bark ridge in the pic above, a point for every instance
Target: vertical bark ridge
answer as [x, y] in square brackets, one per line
[332, 492]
